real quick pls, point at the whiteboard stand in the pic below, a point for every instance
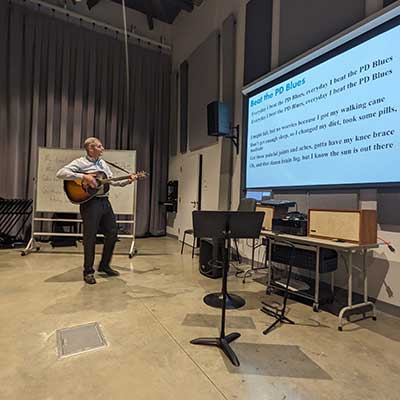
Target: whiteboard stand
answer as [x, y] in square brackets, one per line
[133, 250]
[51, 160]
[32, 244]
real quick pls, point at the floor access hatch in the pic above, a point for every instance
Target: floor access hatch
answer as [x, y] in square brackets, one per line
[79, 339]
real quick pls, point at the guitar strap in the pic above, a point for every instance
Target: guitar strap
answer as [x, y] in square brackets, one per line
[116, 166]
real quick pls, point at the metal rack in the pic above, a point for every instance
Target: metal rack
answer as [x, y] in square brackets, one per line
[33, 245]
[315, 285]
[14, 213]
[347, 250]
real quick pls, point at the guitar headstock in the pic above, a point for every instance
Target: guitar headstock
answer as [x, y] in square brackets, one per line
[140, 175]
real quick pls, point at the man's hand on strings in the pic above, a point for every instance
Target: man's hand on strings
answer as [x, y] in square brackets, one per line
[89, 180]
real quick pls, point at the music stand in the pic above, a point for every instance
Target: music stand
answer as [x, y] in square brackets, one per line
[280, 314]
[226, 225]
[233, 301]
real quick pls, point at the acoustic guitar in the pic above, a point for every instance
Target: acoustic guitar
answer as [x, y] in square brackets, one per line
[79, 193]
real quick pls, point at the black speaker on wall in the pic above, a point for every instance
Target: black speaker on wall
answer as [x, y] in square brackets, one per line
[218, 119]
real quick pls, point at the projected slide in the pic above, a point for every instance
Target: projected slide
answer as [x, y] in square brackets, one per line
[336, 123]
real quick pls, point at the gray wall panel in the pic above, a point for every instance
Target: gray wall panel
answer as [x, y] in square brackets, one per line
[307, 23]
[388, 206]
[228, 62]
[301, 199]
[338, 200]
[203, 89]
[183, 100]
[173, 128]
[228, 97]
[257, 58]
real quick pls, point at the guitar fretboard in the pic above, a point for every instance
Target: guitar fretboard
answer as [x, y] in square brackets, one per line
[122, 178]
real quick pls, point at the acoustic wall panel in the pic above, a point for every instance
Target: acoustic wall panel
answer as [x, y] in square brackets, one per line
[173, 120]
[301, 199]
[184, 90]
[342, 200]
[306, 23]
[388, 200]
[228, 62]
[257, 53]
[228, 41]
[203, 88]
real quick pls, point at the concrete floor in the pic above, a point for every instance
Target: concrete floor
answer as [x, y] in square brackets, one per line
[149, 315]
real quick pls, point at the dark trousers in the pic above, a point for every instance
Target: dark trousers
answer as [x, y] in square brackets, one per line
[97, 214]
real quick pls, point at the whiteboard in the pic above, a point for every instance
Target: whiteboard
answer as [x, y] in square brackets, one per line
[50, 196]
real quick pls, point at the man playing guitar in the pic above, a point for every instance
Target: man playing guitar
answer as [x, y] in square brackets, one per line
[97, 211]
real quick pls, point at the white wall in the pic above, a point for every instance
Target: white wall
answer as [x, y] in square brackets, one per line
[384, 276]
[207, 18]
[210, 183]
[384, 266]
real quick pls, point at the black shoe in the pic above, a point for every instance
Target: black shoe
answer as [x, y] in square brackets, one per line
[89, 278]
[109, 271]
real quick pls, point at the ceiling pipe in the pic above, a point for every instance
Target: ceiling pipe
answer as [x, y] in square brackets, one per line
[112, 28]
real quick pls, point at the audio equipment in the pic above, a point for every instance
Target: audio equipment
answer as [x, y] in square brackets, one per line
[171, 204]
[218, 119]
[211, 258]
[357, 226]
[278, 203]
[290, 226]
[271, 212]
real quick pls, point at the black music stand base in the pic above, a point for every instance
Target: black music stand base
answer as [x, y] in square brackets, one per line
[223, 344]
[233, 301]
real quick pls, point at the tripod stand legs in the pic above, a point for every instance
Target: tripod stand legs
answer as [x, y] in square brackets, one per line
[279, 314]
[223, 344]
[223, 341]
[280, 318]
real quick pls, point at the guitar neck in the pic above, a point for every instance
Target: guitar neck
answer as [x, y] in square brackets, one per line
[119, 178]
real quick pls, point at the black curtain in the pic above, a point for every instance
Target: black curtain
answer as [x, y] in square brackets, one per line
[61, 82]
